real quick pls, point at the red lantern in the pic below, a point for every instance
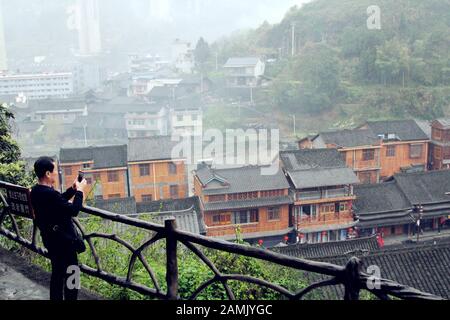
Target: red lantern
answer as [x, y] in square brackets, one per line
[286, 238]
[302, 236]
[260, 242]
[324, 233]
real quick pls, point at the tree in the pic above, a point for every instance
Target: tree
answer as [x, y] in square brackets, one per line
[202, 54]
[11, 168]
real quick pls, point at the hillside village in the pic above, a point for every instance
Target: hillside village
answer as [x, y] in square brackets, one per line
[356, 173]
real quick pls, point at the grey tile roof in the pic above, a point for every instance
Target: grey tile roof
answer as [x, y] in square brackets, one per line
[241, 62]
[125, 108]
[244, 179]
[379, 197]
[150, 148]
[389, 203]
[120, 206]
[445, 122]
[56, 104]
[405, 130]
[330, 249]
[186, 211]
[304, 179]
[350, 138]
[425, 187]
[100, 120]
[313, 168]
[307, 159]
[247, 204]
[424, 267]
[103, 157]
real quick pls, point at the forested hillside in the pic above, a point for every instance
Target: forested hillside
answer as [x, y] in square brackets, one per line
[341, 67]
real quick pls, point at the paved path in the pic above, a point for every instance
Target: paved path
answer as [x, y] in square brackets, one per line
[21, 281]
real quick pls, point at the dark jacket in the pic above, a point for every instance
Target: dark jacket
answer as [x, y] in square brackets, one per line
[51, 209]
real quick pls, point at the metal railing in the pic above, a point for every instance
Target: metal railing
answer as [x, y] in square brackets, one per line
[350, 275]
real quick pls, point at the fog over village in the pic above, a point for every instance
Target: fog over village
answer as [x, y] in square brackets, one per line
[225, 149]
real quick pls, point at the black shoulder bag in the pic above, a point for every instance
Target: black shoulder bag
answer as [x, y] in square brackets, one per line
[76, 241]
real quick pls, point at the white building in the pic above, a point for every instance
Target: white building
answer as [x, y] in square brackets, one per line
[244, 72]
[3, 61]
[37, 86]
[183, 56]
[186, 121]
[88, 25]
[148, 123]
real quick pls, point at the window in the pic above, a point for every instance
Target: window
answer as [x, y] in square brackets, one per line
[343, 206]
[245, 216]
[368, 154]
[89, 180]
[68, 171]
[390, 151]
[194, 117]
[180, 118]
[86, 165]
[172, 168]
[415, 151]
[114, 196]
[273, 214]
[113, 176]
[216, 198]
[327, 208]
[174, 192]
[147, 198]
[220, 219]
[437, 153]
[99, 197]
[97, 177]
[144, 170]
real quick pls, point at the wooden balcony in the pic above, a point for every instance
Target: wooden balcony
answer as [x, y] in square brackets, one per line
[325, 219]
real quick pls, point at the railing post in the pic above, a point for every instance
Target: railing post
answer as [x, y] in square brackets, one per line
[351, 279]
[172, 263]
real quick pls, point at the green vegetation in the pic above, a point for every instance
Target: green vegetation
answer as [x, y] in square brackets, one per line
[344, 71]
[12, 170]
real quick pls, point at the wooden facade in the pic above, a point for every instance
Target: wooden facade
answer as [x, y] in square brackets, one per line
[399, 155]
[440, 146]
[110, 183]
[158, 180]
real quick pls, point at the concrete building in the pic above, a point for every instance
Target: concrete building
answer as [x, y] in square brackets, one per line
[3, 61]
[244, 72]
[88, 26]
[38, 85]
[183, 56]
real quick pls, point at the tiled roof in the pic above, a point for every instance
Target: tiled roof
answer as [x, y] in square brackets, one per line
[424, 266]
[316, 178]
[125, 108]
[330, 249]
[100, 120]
[405, 130]
[425, 187]
[243, 179]
[306, 159]
[350, 138]
[241, 204]
[389, 203]
[313, 168]
[241, 62]
[186, 212]
[120, 206]
[103, 157]
[150, 148]
[445, 122]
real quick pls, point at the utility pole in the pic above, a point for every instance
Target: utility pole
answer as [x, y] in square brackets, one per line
[293, 38]
[217, 61]
[295, 129]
